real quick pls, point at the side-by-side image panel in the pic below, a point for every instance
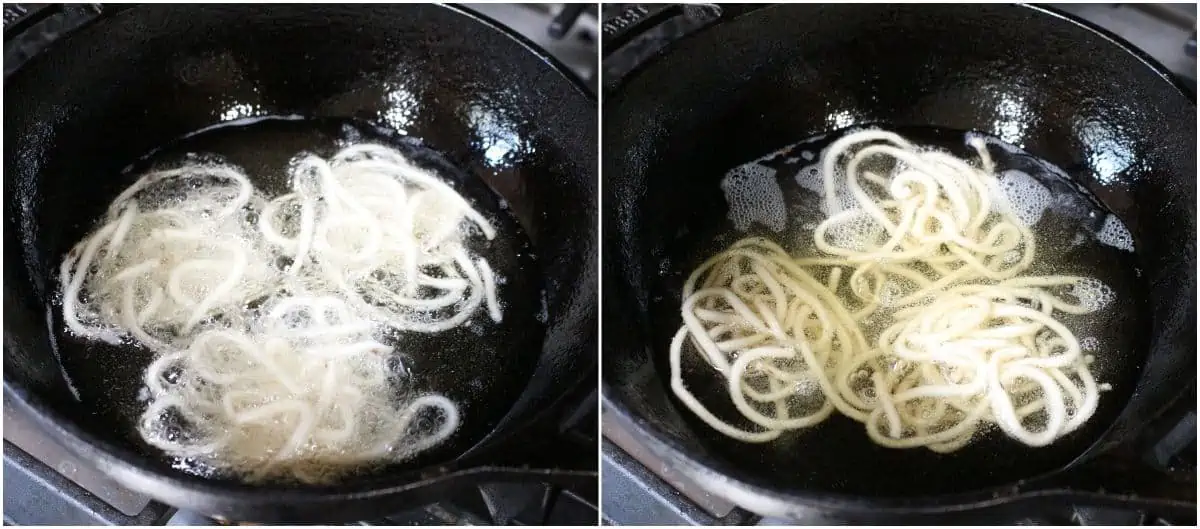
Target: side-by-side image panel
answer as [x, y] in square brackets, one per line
[301, 264]
[898, 264]
[591, 264]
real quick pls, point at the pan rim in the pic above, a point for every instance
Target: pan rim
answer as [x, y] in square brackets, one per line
[1112, 38]
[465, 11]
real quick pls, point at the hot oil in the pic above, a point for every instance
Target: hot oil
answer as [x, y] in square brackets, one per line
[481, 366]
[781, 197]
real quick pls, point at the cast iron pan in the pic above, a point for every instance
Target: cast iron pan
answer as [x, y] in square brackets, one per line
[755, 79]
[513, 130]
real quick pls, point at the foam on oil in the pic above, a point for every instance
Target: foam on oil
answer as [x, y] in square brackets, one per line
[754, 196]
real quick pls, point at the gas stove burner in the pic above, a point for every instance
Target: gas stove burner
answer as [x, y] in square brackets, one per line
[1166, 32]
[568, 32]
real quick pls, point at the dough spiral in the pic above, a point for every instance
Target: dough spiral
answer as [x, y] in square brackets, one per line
[925, 242]
[266, 316]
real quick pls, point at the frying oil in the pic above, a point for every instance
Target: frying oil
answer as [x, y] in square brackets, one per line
[781, 196]
[481, 366]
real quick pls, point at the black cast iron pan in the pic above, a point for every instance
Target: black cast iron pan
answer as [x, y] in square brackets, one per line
[694, 91]
[133, 86]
